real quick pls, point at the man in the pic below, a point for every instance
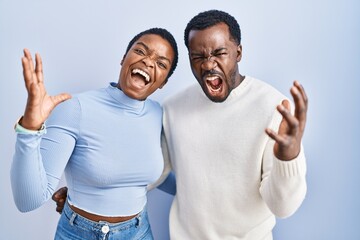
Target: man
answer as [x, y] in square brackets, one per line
[232, 142]
[232, 177]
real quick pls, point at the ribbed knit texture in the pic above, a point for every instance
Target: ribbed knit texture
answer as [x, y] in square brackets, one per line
[107, 143]
[229, 183]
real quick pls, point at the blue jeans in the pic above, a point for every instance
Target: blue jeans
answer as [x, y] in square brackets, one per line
[72, 226]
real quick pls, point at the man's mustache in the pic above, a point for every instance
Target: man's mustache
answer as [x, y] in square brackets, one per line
[210, 72]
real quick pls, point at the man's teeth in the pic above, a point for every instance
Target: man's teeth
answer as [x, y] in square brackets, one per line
[142, 73]
[212, 78]
[214, 82]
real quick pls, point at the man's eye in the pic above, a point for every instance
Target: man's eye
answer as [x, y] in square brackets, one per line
[197, 58]
[221, 54]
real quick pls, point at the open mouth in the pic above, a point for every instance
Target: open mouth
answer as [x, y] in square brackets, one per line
[214, 83]
[140, 77]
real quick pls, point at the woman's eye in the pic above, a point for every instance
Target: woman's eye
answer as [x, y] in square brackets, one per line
[162, 65]
[139, 51]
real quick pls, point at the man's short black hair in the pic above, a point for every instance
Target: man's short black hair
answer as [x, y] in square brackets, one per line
[210, 18]
[165, 34]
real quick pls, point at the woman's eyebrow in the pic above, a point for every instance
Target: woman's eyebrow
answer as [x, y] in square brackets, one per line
[147, 49]
[143, 44]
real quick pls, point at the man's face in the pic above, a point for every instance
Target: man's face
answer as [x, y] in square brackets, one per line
[213, 57]
[146, 66]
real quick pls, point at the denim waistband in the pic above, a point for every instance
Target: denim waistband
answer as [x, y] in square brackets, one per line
[105, 227]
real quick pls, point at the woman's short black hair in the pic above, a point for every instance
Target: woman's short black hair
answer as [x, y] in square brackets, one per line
[165, 34]
[210, 18]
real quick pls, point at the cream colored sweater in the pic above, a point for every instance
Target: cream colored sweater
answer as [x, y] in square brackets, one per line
[229, 183]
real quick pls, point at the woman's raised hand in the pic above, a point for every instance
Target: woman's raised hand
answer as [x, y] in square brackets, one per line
[39, 104]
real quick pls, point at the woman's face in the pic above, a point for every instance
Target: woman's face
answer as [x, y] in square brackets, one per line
[146, 66]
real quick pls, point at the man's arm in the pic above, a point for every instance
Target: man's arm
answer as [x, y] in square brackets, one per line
[60, 198]
[283, 185]
[169, 185]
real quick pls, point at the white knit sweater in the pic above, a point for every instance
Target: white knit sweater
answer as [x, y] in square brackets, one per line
[229, 183]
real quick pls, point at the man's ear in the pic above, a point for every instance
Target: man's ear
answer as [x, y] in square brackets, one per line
[239, 53]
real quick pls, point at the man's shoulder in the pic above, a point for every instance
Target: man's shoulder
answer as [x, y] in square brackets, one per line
[264, 88]
[181, 96]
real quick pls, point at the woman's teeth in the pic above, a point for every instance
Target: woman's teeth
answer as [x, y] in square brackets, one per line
[142, 73]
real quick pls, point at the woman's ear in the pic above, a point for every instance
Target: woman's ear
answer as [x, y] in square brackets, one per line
[122, 60]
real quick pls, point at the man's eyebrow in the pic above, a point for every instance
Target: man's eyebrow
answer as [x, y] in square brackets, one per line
[219, 50]
[147, 49]
[199, 54]
[196, 54]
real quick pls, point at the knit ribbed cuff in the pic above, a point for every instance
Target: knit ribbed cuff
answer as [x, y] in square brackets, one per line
[291, 168]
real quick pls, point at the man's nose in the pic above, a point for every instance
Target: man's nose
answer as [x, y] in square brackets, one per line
[208, 63]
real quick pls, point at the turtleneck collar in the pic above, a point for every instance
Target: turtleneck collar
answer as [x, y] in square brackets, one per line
[120, 97]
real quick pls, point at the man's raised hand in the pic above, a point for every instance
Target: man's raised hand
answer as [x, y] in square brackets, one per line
[288, 139]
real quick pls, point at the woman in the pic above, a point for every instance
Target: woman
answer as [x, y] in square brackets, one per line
[106, 140]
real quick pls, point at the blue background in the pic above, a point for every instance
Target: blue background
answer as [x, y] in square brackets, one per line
[316, 42]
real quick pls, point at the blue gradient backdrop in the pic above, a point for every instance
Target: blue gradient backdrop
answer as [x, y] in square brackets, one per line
[317, 42]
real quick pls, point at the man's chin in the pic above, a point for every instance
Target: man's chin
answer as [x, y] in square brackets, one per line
[216, 97]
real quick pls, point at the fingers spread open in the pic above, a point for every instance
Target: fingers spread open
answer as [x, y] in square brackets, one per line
[30, 77]
[277, 137]
[39, 68]
[26, 72]
[302, 91]
[60, 98]
[27, 54]
[301, 103]
[291, 121]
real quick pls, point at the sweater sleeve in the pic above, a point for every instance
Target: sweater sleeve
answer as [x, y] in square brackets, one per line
[39, 160]
[283, 185]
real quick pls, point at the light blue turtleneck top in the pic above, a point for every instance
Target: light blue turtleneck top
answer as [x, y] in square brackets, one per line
[108, 145]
